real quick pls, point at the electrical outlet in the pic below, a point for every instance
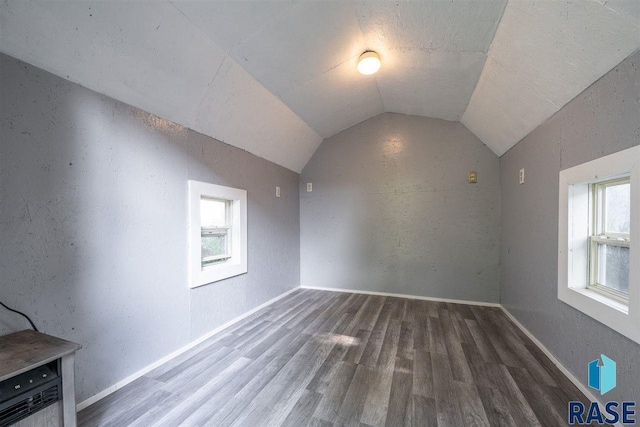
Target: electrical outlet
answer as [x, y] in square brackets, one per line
[277, 191]
[473, 177]
[522, 176]
[309, 187]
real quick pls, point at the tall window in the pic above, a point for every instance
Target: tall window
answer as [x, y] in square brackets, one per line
[610, 238]
[598, 229]
[217, 232]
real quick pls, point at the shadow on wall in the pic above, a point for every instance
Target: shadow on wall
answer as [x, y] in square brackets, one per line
[93, 225]
[90, 246]
[36, 220]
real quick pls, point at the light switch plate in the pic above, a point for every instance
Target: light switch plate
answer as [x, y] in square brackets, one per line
[277, 191]
[522, 176]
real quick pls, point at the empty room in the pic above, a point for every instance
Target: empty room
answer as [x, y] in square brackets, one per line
[319, 213]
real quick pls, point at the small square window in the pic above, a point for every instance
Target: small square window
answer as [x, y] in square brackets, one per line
[217, 233]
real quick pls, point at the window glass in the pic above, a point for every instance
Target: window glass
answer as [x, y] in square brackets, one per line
[610, 268]
[213, 213]
[617, 208]
[613, 267]
[214, 245]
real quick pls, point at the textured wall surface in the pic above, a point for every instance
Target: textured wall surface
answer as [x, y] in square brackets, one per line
[391, 210]
[93, 225]
[602, 120]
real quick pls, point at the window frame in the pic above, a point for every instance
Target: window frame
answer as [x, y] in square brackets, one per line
[236, 263]
[224, 230]
[574, 227]
[598, 235]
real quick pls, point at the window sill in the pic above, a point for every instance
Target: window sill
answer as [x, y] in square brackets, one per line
[603, 299]
[608, 311]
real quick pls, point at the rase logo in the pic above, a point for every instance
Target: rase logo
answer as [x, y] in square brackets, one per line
[602, 377]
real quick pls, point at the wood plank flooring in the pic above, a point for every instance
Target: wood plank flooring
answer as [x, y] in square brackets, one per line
[318, 358]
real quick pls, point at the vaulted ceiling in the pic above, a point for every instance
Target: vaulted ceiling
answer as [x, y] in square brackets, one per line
[276, 77]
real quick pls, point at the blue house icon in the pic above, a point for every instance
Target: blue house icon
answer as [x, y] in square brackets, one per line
[602, 376]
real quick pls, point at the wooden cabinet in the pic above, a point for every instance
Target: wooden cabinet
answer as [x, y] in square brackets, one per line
[34, 367]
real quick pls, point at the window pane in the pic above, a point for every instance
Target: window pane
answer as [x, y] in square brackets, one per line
[213, 213]
[618, 212]
[213, 245]
[613, 267]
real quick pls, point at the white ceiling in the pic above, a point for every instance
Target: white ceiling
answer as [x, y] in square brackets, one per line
[543, 55]
[150, 55]
[275, 77]
[306, 52]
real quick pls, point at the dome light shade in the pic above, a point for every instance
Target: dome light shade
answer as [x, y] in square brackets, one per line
[369, 62]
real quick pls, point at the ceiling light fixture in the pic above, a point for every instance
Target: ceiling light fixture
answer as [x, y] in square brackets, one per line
[369, 62]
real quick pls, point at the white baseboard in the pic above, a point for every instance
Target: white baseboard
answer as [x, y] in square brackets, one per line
[389, 294]
[104, 393]
[584, 389]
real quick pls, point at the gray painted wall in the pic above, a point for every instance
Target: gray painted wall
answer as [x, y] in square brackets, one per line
[392, 211]
[93, 225]
[602, 120]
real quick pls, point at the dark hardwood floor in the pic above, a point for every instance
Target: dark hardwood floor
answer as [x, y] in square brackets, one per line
[319, 358]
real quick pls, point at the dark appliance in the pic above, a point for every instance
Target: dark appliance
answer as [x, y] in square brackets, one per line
[29, 392]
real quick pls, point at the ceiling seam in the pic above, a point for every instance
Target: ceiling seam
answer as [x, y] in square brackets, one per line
[226, 51]
[431, 49]
[206, 36]
[266, 24]
[228, 56]
[366, 39]
[206, 92]
[315, 77]
[498, 22]
[620, 14]
[384, 109]
[304, 83]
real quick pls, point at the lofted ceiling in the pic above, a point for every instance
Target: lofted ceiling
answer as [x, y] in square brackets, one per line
[276, 77]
